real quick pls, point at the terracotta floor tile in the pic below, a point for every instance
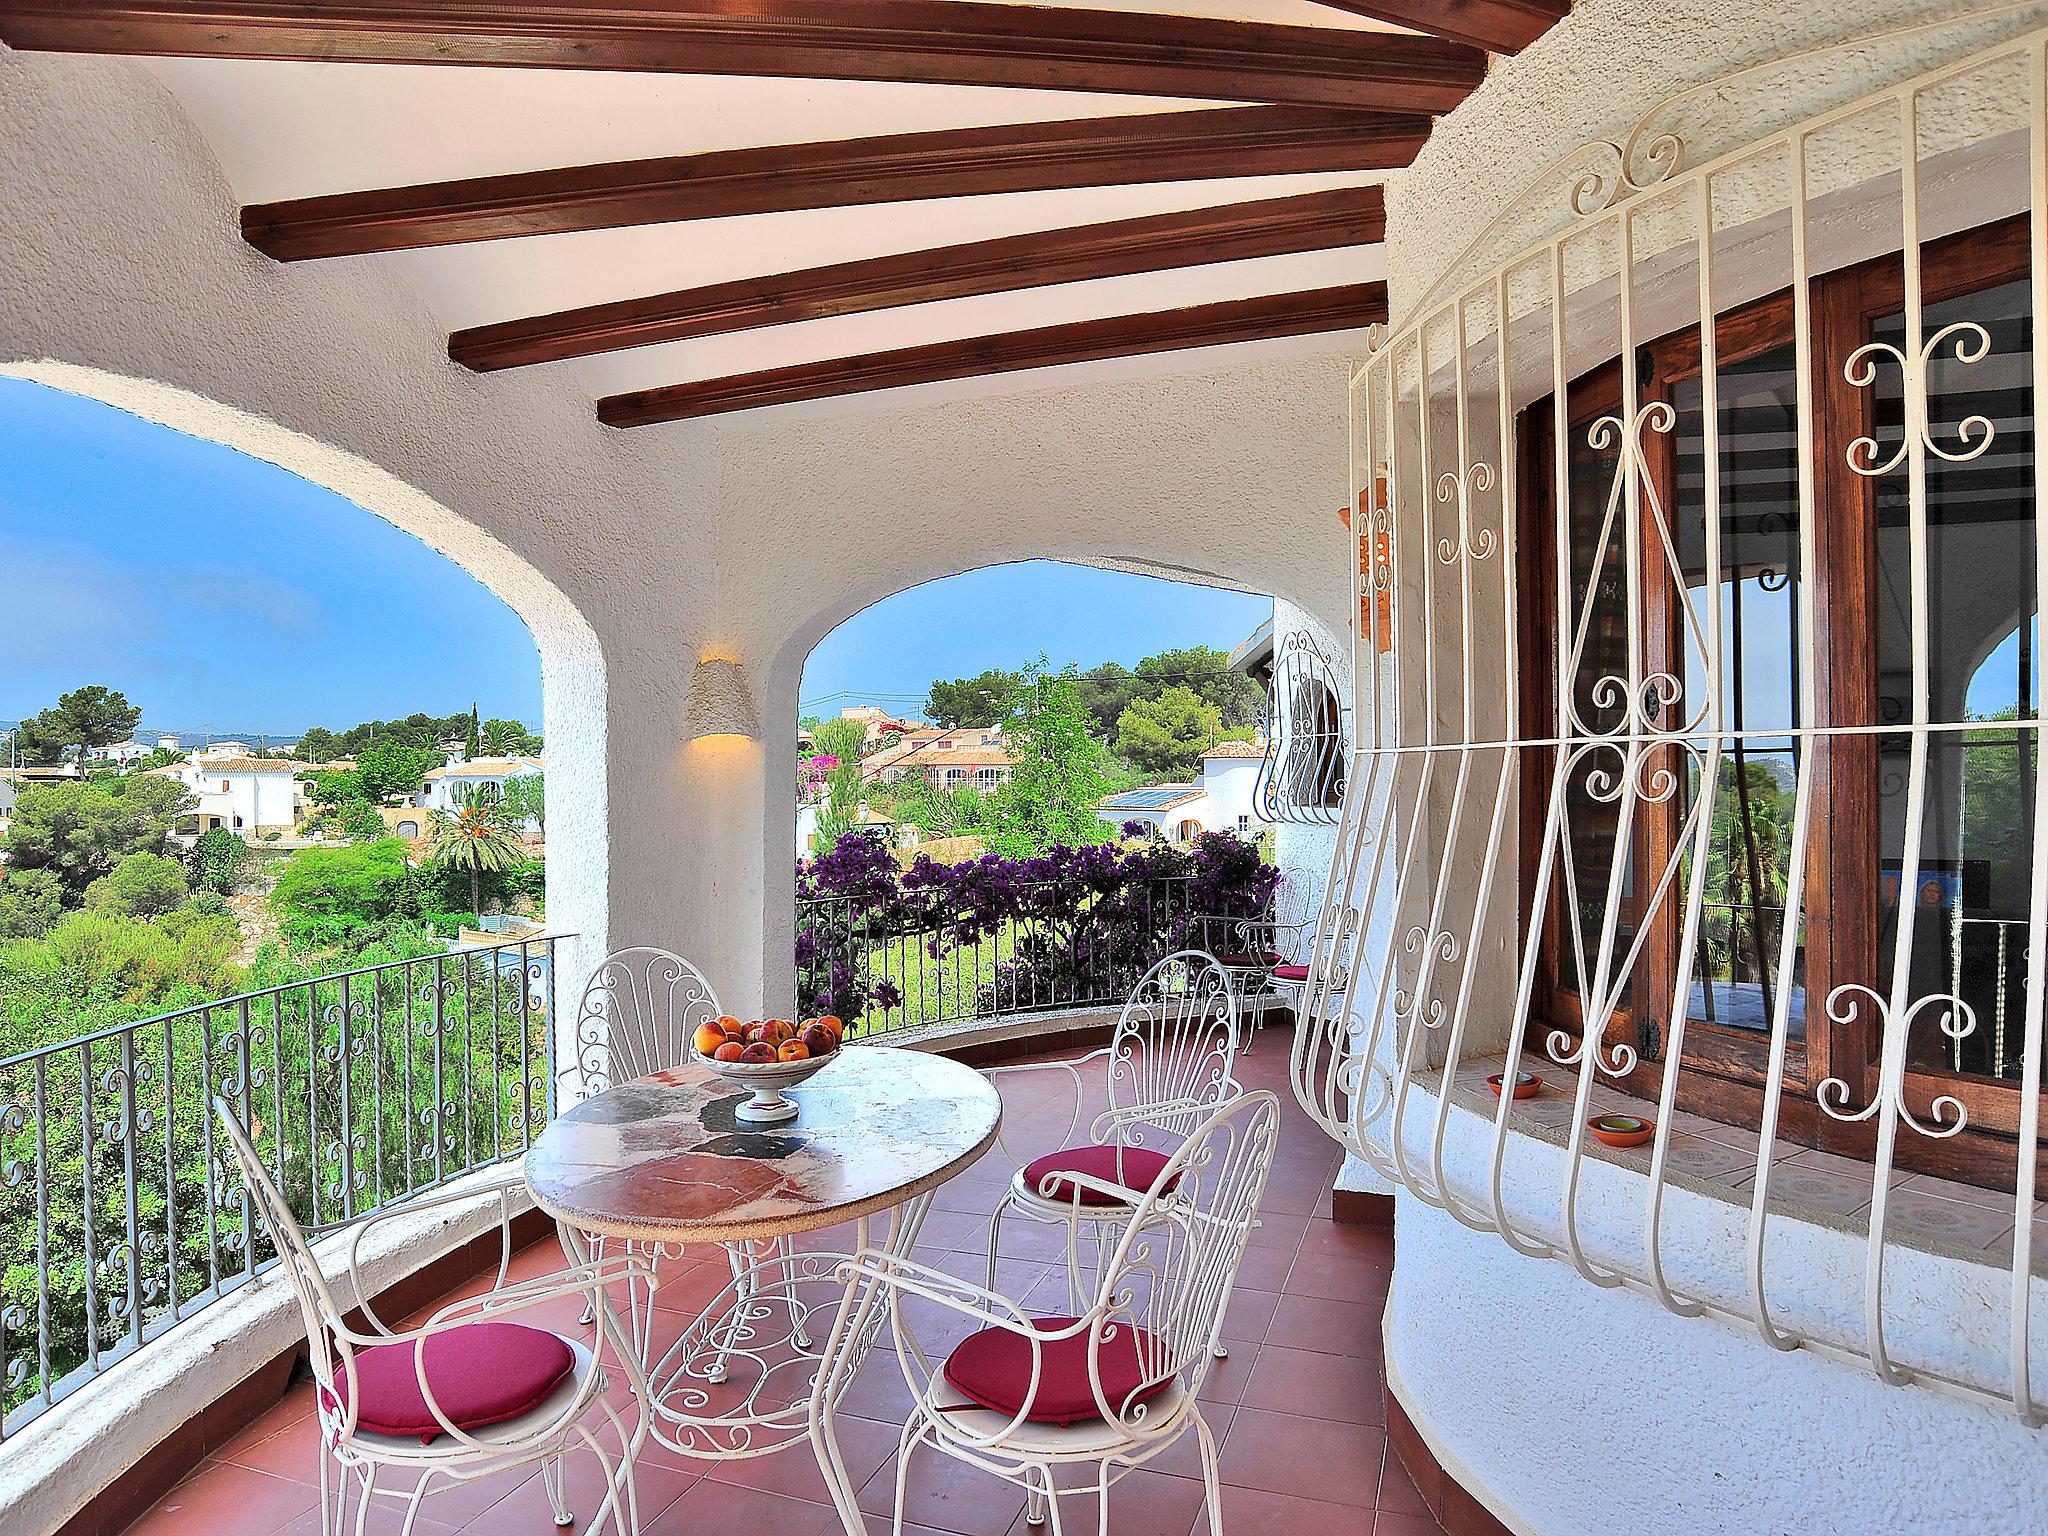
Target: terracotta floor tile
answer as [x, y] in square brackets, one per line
[1143, 1503]
[1183, 1458]
[1398, 1492]
[660, 1481]
[1226, 1378]
[387, 1518]
[946, 1494]
[1256, 1512]
[1338, 1277]
[1249, 1315]
[1389, 1522]
[1334, 1327]
[712, 1508]
[1321, 1386]
[223, 1497]
[1275, 1451]
[864, 1443]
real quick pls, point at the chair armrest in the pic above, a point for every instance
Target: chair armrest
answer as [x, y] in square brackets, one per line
[1073, 1070]
[500, 1189]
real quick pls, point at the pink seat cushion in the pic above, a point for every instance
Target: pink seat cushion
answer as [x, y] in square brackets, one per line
[993, 1368]
[1136, 1168]
[481, 1373]
[1250, 962]
[1290, 973]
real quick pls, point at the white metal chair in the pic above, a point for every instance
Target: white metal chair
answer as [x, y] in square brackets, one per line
[638, 1011]
[1248, 948]
[1024, 1397]
[467, 1394]
[1169, 1067]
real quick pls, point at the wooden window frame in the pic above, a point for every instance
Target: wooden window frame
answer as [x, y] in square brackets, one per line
[1724, 1069]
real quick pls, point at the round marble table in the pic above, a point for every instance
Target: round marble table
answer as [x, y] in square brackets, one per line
[661, 1163]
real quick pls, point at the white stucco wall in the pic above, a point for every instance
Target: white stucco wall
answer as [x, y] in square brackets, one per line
[1567, 1408]
[1595, 74]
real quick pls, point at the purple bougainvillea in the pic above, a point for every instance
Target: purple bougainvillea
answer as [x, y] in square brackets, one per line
[1068, 927]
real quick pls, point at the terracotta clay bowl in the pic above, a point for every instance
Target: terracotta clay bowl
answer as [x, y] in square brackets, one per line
[1618, 1130]
[1527, 1084]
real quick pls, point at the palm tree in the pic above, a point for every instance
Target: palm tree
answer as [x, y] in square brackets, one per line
[476, 838]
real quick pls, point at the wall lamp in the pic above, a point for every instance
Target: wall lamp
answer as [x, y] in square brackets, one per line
[720, 704]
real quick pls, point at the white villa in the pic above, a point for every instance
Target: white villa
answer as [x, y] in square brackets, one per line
[249, 795]
[1220, 800]
[443, 784]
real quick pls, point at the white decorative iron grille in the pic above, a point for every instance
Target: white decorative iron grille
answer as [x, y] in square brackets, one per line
[1301, 778]
[1698, 689]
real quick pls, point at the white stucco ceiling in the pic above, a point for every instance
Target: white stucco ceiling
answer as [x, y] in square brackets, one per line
[290, 130]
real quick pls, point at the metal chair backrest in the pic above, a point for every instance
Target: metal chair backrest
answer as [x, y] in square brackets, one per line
[1171, 1058]
[1171, 1274]
[639, 1010]
[328, 1354]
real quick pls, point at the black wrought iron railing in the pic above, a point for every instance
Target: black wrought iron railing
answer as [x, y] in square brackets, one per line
[1045, 950]
[120, 1214]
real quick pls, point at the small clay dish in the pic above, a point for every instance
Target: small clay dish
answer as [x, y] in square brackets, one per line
[1527, 1084]
[1622, 1130]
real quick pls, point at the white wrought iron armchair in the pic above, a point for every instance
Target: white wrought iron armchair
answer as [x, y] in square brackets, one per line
[638, 1011]
[1169, 1066]
[1248, 948]
[465, 1395]
[1108, 1389]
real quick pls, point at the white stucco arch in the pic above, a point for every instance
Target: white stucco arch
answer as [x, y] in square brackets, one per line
[572, 663]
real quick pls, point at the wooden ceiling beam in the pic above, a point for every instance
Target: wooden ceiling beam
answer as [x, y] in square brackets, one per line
[1232, 232]
[837, 173]
[1203, 325]
[1498, 26]
[944, 42]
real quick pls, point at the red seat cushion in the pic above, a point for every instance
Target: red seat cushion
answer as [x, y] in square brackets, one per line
[993, 1368]
[1290, 973]
[1251, 962]
[1136, 1168]
[481, 1373]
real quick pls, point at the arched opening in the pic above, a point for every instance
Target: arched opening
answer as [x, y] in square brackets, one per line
[1018, 782]
[208, 908]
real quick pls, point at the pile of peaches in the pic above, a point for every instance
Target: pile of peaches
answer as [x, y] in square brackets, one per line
[762, 1041]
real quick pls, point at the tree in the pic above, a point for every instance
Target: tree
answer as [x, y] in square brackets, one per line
[363, 881]
[981, 700]
[1206, 670]
[841, 812]
[525, 799]
[473, 744]
[1169, 734]
[80, 831]
[337, 786]
[844, 739]
[31, 902]
[142, 885]
[319, 745]
[1059, 774]
[84, 718]
[508, 738]
[1106, 692]
[218, 860]
[390, 768]
[475, 840]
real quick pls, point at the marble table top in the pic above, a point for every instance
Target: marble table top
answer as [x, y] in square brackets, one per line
[662, 1159]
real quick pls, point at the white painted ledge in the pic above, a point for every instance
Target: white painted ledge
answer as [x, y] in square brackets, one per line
[1565, 1406]
[58, 1463]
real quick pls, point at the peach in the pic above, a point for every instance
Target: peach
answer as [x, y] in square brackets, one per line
[731, 1050]
[818, 1042]
[792, 1050]
[709, 1038]
[756, 1033]
[832, 1022]
[728, 1023]
[757, 1053]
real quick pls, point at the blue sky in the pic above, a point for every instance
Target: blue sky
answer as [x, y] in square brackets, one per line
[1004, 616]
[221, 592]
